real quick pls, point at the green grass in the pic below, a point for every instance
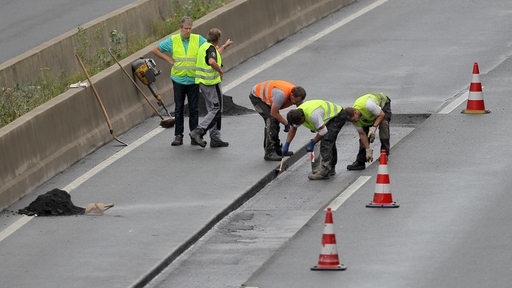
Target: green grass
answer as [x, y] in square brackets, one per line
[19, 100]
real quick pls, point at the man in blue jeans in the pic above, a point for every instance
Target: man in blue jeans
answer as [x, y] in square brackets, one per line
[183, 48]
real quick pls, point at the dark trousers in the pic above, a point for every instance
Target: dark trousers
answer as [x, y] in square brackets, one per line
[191, 93]
[328, 150]
[383, 134]
[271, 140]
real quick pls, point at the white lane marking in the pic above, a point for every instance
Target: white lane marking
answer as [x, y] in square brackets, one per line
[336, 203]
[303, 44]
[77, 182]
[107, 162]
[88, 175]
[14, 226]
[454, 104]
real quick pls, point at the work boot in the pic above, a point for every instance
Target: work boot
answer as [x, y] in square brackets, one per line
[197, 135]
[356, 166]
[320, 174]
[177, 141]
[272, 156]
[218, 143]
[332, 172]
[193, 142]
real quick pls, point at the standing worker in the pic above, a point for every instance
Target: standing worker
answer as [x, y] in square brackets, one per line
[268, 98]
[209, 75]
[372, 111]
[326, 119]
[183, 48]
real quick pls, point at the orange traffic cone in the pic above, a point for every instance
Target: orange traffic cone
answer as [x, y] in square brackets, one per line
[329, 259]
[475, 104]
[382, 197]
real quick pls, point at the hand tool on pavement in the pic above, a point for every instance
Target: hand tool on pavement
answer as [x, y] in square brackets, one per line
[371, 134]
[95, 92]
[166, 123]
[281, 167]
[369, 155]
[97, 208]
[315, 158]
[284, 151]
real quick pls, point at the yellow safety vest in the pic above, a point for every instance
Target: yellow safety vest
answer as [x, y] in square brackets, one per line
[205, 74]
[184, 62]
[367, 118]
[330, 111]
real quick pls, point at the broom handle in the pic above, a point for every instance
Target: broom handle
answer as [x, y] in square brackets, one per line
[135, 84]
[95, 93]
[99, 100]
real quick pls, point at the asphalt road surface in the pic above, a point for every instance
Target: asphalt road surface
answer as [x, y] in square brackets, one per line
[26, 24]
[452, 227]
[449, 173]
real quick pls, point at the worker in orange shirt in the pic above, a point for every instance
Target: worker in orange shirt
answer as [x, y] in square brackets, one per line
[268, 98]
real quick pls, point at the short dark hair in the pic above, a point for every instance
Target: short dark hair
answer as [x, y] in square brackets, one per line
[349, 112]
[214, 35]
[298, 91]
[294, 116]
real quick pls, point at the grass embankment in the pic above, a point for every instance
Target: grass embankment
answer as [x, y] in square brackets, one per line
[18, 100]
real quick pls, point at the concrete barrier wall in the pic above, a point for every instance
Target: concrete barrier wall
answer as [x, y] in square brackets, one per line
[49, 139]
[57, 56]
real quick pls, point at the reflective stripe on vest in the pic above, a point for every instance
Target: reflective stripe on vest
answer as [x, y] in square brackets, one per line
[184, 62]
[264, 91]
[367, 118]
[205, 74]
[330, 110]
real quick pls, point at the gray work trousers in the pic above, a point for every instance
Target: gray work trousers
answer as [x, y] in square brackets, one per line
[213, 100]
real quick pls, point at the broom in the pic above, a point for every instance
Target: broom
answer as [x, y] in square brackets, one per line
[95, 92]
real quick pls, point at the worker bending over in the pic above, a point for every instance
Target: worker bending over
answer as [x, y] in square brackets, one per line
[326, 119]
[268, 98]
[372, 111]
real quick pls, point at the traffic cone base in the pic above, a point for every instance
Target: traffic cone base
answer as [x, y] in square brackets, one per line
[466, 111]
[329, 268]
[387, 205]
